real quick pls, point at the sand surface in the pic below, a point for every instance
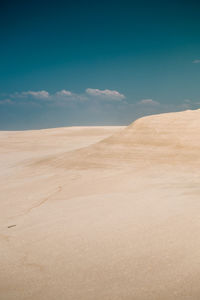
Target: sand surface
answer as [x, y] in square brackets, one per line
[102, 213]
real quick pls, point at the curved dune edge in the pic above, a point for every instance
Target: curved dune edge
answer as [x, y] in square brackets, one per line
[102, 213]
[171, 138]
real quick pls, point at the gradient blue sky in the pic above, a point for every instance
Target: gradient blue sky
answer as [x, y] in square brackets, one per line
[68, 63]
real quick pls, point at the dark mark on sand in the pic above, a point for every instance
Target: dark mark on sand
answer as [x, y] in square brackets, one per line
[11, 226]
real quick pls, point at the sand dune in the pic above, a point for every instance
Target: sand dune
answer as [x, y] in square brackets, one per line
[104, 213]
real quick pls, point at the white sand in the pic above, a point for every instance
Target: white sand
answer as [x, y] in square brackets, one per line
[102, 213]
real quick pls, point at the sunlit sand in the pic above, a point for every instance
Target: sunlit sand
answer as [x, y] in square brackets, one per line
[102, 213]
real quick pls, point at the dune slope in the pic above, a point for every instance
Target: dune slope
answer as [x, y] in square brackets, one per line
[102, 213]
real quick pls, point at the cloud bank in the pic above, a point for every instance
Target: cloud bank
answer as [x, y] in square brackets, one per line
[196, 61]
[109, 94]
[64, 93]
[66, 96]
[39, 94]
[150, 102]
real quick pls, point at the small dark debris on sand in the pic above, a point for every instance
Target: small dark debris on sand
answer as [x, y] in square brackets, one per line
[10, 226]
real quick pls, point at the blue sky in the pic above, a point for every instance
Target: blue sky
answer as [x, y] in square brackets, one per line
[66, 63]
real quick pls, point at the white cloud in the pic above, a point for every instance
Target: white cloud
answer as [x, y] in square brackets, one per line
[148, 102]
[6, 101]
[110, 94]
[196, 61]
[65, 97]
[64, 93]
[35, 94]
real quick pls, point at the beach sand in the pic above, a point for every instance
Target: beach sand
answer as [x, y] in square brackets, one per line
[102, 213]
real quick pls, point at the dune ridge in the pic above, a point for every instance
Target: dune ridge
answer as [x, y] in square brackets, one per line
[171, 138]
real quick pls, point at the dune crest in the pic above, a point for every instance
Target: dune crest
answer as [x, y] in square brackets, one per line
[171, 138]
[179, 129]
